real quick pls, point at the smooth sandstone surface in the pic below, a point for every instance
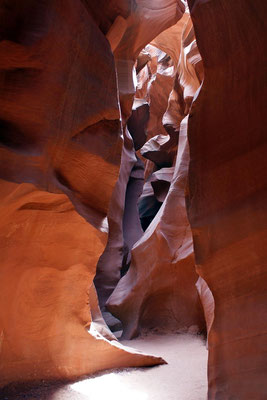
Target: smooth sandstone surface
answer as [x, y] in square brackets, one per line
[50, 323]
[59, 111]
[93, 100]
[228, 191]
[61, 130]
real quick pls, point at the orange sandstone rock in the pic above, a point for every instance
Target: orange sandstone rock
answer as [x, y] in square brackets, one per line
[227, 191]
[60, 134]
[50, 324]
[60, 122]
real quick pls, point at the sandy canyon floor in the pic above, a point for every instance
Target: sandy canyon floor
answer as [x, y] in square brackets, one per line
[183, 378]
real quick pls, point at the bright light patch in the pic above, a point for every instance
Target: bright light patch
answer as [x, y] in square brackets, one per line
[109, 387]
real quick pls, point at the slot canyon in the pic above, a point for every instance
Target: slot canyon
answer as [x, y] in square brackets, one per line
[133, 187]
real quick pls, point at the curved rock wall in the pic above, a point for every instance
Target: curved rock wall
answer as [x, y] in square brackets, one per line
[95, 99]
[53, 133]
[159, 291]
[60, 134]
[50, 324]
[127, 38]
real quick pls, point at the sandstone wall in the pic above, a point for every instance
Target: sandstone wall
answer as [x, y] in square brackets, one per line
[60, 153]
[227, 191]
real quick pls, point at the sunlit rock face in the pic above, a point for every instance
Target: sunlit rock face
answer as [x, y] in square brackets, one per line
[227, 191]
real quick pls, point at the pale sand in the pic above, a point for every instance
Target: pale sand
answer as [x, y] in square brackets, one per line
[183, 378]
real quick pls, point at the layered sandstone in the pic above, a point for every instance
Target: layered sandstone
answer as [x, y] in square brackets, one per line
[60, 154]
[97, 103]
[227, 191]
[53, 133]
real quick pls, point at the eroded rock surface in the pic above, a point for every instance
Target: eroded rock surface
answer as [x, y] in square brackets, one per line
[127, 38]
[50, 323]
[159, 289]
[55, 131]
[228, 197]
[94, 105]
[61, 134]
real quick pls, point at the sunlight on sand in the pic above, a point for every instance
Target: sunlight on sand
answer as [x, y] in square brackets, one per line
[110, 387]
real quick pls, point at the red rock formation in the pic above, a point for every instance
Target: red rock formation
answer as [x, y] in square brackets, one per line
[67, 80]
[145, 21]
[159, 88]
[228, 196]
[60, 130]
[50, 324]
[55, 131]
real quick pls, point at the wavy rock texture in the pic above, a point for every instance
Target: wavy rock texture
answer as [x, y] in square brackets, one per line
[50, 323]
[159, 289]
[94, 99]
[207, 301]
[130, 35]
[52, 132]
[60, 130]
[228, 191]
[127, 37]
[111, 261]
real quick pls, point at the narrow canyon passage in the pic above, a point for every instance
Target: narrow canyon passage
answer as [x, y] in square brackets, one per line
[133, 199]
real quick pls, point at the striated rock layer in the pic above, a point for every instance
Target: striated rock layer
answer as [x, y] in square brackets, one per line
[75, 149]
[228, 191]
[50, 323]
[55, 131]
